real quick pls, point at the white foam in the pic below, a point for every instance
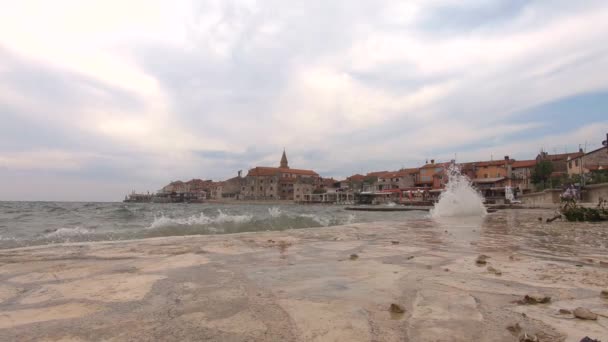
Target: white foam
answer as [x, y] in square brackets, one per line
[64, 232]
[201, 219]
[274, 212]
[323, 221]
[459, 198]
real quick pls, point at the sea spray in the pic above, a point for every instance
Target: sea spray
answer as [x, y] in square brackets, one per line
[459, 199]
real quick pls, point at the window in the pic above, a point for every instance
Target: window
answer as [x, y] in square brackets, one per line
[270, 190]
[262, 181]
[498, 174]
[261, 188]
[575, 162]
[252, 188]
[570, 164]
[485, 175]
[297, 196]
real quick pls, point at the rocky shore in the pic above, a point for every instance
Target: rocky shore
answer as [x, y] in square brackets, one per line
[509, 277]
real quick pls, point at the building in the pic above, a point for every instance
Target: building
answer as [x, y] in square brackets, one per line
[559, 161]
[232, 187]
[521, 175]
[279, 183]
[404, 178]
[589, 162]
[432, 175]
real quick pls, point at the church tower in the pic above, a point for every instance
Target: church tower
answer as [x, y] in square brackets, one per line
[284, 163]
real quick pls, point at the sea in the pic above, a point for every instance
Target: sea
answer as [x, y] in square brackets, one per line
[38, 223]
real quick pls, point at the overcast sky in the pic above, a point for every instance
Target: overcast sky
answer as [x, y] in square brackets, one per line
[98, 98]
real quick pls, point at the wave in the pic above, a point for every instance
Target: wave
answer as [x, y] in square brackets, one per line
[68, 232]
[201, 219]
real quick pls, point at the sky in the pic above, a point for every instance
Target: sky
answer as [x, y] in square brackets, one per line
[99, 98]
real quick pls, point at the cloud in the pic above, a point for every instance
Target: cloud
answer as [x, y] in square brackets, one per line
[151, 91]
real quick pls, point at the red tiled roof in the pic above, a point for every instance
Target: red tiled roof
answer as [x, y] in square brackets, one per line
[433, 165]
[400, 173]
[356, 178]
[493, 162]
[524, 163]
[376, 173]
[272, 171]
[562, 156]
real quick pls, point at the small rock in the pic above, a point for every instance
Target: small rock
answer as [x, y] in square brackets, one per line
[589, 339]
[604, 294]
[482, 259]
[446, 269]
[579, 265]
[528, 338]
[428, 267]
[534, 299]
[410, 257]
[395, 242]
[565, 312]
[540, 219]
[493, 270]
[354, 257]
[583, 313]
[515, 329]
[271, 241]
[396, 308]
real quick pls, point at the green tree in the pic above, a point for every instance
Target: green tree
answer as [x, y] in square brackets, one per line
[542, 172]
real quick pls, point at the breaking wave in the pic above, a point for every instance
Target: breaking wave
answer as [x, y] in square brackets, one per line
[66, 232]
[201, 219]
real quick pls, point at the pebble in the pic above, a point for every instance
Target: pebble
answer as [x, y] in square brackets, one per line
[514, 328]
[583, 313]
[535, 299]
[589, 339]
[396, 308]
[565, 312]
[528, 338]
[481, 260]
[354, 257]
[604, 294]
[493, 270]
[395, 242]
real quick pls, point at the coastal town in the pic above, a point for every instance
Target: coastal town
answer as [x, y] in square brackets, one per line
[538, 179]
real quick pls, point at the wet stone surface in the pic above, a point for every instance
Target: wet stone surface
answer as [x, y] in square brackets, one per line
[301, 285]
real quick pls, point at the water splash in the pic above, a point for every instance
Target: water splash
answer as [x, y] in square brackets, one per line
[459, 199]
[274, 212]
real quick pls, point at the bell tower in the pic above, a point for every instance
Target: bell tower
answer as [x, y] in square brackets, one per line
[284, 163]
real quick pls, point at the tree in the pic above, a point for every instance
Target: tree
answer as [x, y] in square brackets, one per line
[542, 172]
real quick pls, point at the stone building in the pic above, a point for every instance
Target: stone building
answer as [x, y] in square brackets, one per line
[402, 179]
[279, 183]
[592, 161]
[232, 187]
[521, 175]
[559, 161]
